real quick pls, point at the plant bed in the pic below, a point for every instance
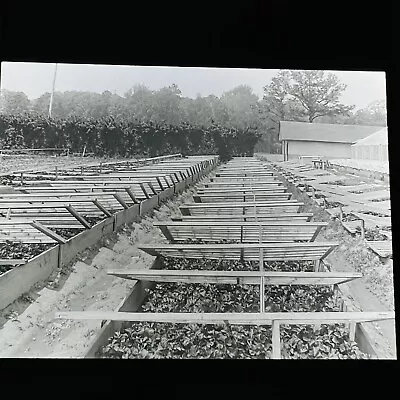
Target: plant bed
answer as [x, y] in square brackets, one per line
[166, 340]
[235, 265]
[349, 218]
[356, 191]
[333, 204]
[93, 220]
[157, 340]
[67, 233]
[6, 180]
[335, 183]
[372, 234]
[11, 250]
[373, 213]
[379, 200]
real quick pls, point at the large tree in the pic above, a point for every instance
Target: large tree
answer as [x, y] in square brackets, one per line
[14, 103]
[374, 114]
[242, 107]
[307, 95]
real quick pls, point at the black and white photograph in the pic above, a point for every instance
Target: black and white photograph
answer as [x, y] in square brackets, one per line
[165, 212]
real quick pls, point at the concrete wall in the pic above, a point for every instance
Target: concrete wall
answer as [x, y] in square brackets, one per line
[324, 149]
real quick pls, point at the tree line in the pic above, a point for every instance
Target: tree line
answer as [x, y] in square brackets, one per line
[310, 96]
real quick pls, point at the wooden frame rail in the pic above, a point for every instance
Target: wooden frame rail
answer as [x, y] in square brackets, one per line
[237, 277]
[243, 232]
[283, 251]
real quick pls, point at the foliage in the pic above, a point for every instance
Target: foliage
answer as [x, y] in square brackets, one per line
[110, 136]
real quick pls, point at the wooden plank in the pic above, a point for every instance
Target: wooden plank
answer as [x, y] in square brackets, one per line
[239, 223]
[101, 208]
[286, 318]
[167, 233]
[12, 261]
[233, 217]
[48, 232]
[237, 277]
[131, 195]
[121, 201]
[78, 217]
[276, 340]
[383, 248]
[144, 191]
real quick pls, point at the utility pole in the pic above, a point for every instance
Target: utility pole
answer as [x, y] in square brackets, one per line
[52, 92]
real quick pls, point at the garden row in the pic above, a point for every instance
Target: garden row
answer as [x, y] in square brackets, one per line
[239, 278]
[363, 208]
[45, 223]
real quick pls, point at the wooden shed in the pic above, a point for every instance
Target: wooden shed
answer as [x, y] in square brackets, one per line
[374, 147]
[321, 140]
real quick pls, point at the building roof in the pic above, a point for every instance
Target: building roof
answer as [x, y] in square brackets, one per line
[306, 131]
[380, 137]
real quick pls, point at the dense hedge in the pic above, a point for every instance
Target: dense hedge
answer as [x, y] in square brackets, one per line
[112, 137]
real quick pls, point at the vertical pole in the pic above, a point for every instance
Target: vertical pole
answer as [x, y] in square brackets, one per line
[52, 92]
[362, 229]
[340, 213]
[56, 172]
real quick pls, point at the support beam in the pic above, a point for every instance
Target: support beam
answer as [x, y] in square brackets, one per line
[131, 195]
[144, 190]
[78, 217]
[101, 208]
[159, 183]
[121, 201]
[48, 232]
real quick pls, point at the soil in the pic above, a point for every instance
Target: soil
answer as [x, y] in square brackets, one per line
[28, 327]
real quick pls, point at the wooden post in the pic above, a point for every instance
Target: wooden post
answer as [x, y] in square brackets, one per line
[81, 170]
[340, 213]
[313, 192]
[362, 229]
[352, 333]
[59, 259]
[276, 341]
[8, 215]
[316, 265]
[22, 178]
[56, 172]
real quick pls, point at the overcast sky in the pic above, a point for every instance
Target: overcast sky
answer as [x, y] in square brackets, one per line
[35, 79]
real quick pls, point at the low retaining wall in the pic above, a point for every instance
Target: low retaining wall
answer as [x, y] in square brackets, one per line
[20, 280]
[381, 176]
[131, 303]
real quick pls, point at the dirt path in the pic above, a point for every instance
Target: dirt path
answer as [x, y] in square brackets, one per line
[35, 333]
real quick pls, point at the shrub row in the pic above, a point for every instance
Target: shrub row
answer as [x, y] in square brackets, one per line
[114, 137]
